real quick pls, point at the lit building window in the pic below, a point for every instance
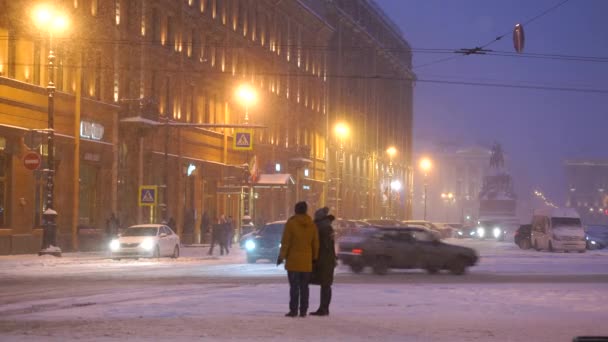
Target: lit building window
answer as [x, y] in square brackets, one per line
[117, 11]
[94, 7]
[116, 87]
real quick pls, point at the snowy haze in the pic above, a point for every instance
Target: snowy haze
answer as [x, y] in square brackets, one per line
[512, 295]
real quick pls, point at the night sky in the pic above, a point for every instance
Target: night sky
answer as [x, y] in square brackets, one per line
[537, 128]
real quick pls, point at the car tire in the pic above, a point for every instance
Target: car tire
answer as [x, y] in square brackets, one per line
[536, 246]
[175, 254]
[117, 259]
[551, 246]
[582, 251]
[356, 267]
[524, 244]
[156, 253]
[251, 259]
[380, 266]
[458, 266]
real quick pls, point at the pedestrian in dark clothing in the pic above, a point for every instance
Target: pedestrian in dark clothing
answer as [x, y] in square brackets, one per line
[218, 236]
[323, 270]
[300, 248]
[112, 225]
[229, 231]
[171, 224]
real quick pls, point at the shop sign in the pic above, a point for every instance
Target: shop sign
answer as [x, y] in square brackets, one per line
[91, 130]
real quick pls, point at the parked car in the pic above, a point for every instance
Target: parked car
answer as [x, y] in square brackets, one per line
[558, 229]
[596, 236]
[383, 222]
[522, 236]
[429, 225]
[146, 240]
[265, 243]
[448, 230]
[383, 248]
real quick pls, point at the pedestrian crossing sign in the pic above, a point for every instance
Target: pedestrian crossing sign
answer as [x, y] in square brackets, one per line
[243, 140]
[148, 195]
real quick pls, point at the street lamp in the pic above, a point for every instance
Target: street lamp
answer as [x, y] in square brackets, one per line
[425, 166]
[248, 97]
[342, 132]
[51, 20]
[391, 151]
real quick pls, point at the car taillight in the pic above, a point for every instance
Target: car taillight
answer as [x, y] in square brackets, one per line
[357, 251]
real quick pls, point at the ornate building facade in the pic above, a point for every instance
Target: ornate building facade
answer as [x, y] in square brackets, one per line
[146, 97]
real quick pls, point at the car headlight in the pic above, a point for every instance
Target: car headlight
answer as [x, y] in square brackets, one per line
[472, 233]
[481, 232]
[496, 232]
[147, 244]
[249, 245]
[586, 238]
[114, 245]
[459, 232]
[593, 242]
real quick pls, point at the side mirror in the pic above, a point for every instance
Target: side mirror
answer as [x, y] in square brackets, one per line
[162, 235]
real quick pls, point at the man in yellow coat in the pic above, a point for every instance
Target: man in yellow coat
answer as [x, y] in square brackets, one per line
[299, 249]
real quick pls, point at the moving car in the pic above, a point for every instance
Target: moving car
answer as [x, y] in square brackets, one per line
[522, 236]
[265, 243]
[382, 222]
[558, 229]
[467, 232]
[596, 236]
[490, 230]
[383, 248]
[146, 240]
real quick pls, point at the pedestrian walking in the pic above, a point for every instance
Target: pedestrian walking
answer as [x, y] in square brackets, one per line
[112, 225]
[172, 224]
[323, 269]
[230, 231]
[225, 237]
[218, 236]
[299, 249]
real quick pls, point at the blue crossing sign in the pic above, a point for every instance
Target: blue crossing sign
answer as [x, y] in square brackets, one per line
[148, 195]
[243, 140]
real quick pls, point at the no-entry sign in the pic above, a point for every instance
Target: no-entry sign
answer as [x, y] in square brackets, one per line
[31, 160]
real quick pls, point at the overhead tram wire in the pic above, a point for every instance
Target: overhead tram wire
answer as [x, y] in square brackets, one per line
[538, 16]
[481, 50]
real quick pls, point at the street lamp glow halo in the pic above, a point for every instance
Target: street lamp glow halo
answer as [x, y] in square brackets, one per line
[342, 130]
[392, 151]
[426, 164]
[47, 18]
[247, 95]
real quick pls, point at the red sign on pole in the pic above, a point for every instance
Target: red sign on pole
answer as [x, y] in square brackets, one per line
[31, 161]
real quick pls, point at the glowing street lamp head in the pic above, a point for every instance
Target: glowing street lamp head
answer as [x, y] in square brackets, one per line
[246, 95]
[426, 164]
[48, 18]
[392, 151]
[341, 130]
[396, 185]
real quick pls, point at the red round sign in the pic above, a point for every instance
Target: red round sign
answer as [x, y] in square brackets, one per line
[31, 160]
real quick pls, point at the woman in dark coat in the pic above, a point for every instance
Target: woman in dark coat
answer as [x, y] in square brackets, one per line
[324, 267]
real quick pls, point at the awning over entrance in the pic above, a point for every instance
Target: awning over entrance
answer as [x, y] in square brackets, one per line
[276, 179]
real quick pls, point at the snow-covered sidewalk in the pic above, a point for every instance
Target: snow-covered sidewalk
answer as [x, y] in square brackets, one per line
[497, 312]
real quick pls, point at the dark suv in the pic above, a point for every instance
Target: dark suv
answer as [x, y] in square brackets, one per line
[403, 247]
[265, 243]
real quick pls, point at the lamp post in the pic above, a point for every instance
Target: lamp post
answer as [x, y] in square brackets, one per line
[391, 151]
[247, 96]
[425, 166]
[52, 21]
[342, 131]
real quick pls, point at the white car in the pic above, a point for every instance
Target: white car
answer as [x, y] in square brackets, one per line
[146, 240]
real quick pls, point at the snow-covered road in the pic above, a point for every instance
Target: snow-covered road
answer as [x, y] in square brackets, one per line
[512, 295]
